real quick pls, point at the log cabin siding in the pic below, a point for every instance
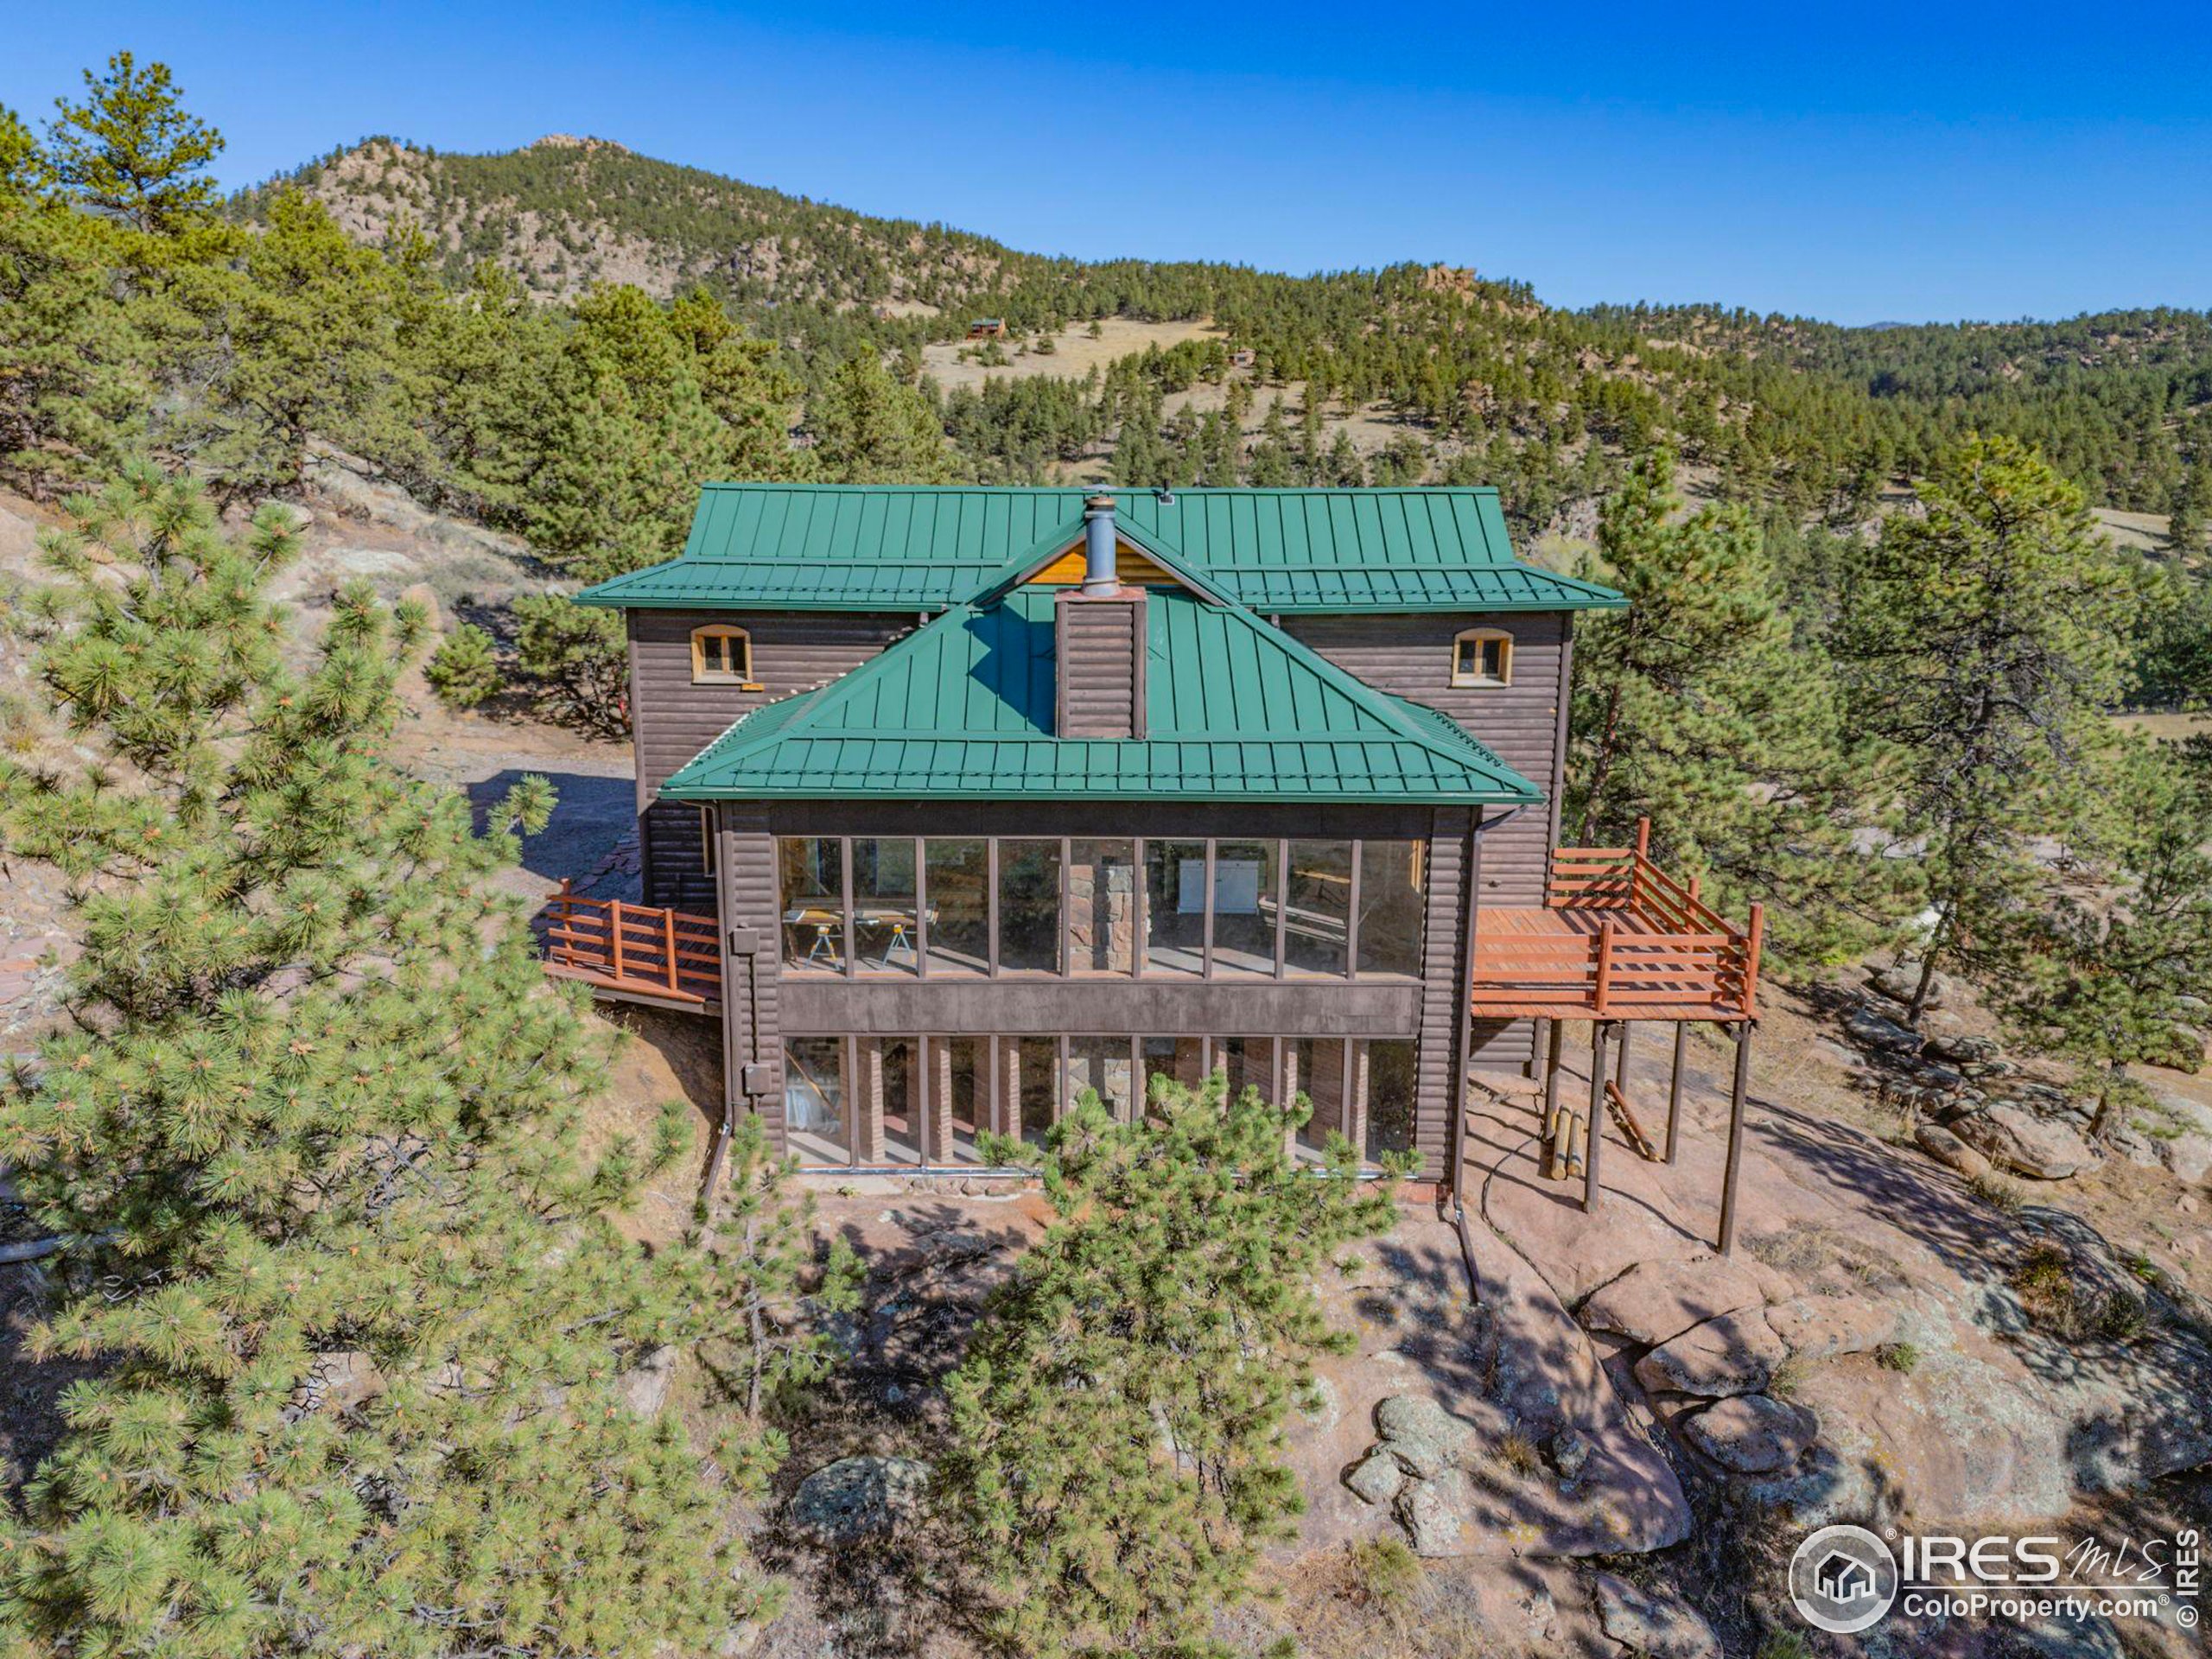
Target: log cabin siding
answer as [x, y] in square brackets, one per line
[752, 1002]
[1410, 656]
[672, 719]
[1442, 947]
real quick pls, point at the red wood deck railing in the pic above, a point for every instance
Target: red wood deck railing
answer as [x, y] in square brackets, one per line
[1617, 938]
[635, 949]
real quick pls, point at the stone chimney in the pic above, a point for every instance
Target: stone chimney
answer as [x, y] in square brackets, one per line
[1099, 640]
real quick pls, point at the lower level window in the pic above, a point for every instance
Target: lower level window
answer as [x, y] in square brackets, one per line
[814, 1100]
[1389, 1098]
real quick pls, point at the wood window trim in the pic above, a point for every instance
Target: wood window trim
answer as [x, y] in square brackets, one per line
[702, 673]
[1477, 680]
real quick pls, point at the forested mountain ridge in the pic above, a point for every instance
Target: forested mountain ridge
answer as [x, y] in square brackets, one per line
[1808, 413]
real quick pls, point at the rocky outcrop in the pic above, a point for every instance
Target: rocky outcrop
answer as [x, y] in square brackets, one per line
[1652, 1622]
[1884, 1036]
[1735, 1354]
[1946, 1148]
[2015, 1139]
[859, 1498]
[1655, 1301]
[1751, 1433]
[1423, 1437]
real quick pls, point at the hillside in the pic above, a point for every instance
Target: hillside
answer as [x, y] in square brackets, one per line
[1447, 363]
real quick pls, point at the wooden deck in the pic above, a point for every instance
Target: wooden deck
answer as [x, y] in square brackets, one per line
[1616, 938]
[637, 953]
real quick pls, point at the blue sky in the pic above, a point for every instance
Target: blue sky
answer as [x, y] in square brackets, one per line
[1865, 162]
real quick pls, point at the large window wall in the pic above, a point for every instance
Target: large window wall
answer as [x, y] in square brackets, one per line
[1087, 907]
[883, 1102]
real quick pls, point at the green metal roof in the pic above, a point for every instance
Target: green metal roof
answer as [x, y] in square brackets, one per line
[871, 547]
[962, 708]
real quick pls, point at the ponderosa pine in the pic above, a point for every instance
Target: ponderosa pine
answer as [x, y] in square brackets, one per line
[363, 1305]
[1117, 1423]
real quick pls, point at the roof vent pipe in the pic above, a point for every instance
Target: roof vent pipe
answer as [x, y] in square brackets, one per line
[1099, 575]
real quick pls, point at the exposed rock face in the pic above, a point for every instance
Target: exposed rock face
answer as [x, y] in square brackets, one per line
[1870, 1030]
[1946, 1148]
[1898, 981]
[1652, 1622]
[1959, 1050]
[1819, 1327]
[1735, 1354]
[1376, 1478]
[1439, 1514]
[859, 1498]
[645, 1385]
[2015, 1139]
[1751, 1433]
[1655, 1301]
[1423, 1436]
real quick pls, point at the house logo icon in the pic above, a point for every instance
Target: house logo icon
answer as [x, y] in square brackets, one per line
[1843, 1579]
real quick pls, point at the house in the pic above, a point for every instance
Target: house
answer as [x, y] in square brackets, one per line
[987, 328]
[954, 801]
[1843, 1578]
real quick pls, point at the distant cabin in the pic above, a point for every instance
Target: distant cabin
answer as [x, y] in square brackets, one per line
[987, 328]
[1242, 358]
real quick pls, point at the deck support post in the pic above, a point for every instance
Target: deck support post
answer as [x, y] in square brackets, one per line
[1553, 1040]
[1674, 1088]
[1620, 1066]
[1727, 1239]
[1594, 1127]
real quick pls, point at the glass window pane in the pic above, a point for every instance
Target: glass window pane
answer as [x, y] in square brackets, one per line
[902, 1082]
[812, 871]
[1039, 1059]
[1029, 906]
[1248, 1063]
[883, 905]
[1319, 917]
[1390, 906]
[1102, 1064]
[1175, 907]
[958, 873]
[1244, 908]
[1389, 1098]
[1102, 907]
[815, 1119]
[1175, 1059]
[1320, 1079]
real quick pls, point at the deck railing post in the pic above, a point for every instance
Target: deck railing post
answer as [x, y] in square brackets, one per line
[1602, 977]
[1751, 961]
[615, 934]
[668, 938]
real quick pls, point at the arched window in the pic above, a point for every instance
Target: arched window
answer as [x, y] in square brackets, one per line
[1483, 657]
[721, 655]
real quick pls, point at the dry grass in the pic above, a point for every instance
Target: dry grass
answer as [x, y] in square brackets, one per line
[1375, 1601]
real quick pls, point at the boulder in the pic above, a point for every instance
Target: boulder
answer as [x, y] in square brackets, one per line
[1653, 1623]
[1421, 1434]
[1871, 1030]
[1820, 1327]
[1569, 1451]
[645, 1385]
[1439, 1514]
[1899, 981]
[2189, 1157]
[859, 1498]
[1751, 1433]
[1735, 1354]
[1375, 1478]
[1946, 1148]
[2017, 1140]
[343, 1378]
[1959, 1050]
[1655, 1301]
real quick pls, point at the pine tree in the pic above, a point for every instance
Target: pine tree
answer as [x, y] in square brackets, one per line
[1118, 1421]
[464, 670]
[870, 429]
[2110, 983]
[314, 1139]
[1701, 709]
[2192, 497]
[1983, 639]
[73, 396]
[131, 150]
